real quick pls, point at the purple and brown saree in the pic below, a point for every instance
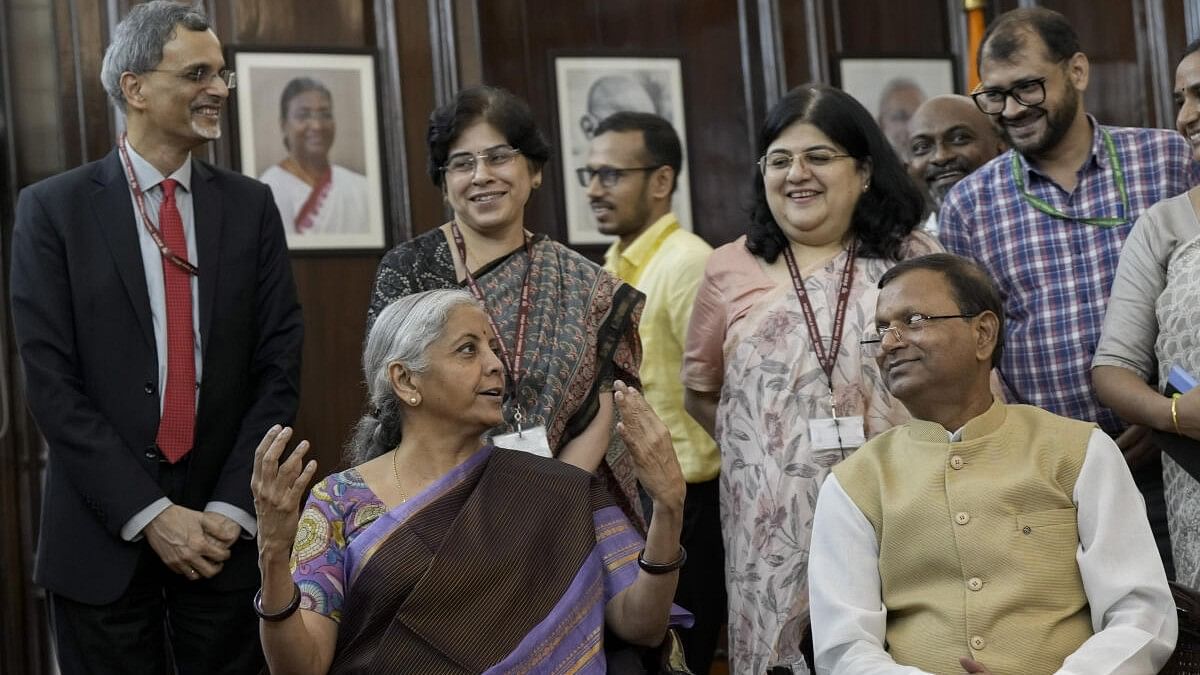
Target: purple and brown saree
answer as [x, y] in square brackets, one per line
[503, 565]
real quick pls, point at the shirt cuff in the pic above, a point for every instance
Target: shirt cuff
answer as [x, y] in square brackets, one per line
[248, 522]
[132, 529]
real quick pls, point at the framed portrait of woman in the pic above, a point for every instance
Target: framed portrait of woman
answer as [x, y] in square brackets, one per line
[308, 127]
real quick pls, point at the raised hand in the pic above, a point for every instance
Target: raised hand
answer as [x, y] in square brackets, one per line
[278, 488]
[649, 444]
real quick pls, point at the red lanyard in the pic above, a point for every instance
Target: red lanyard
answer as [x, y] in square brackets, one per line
[138, 197]
[827, 359]
[511, 363]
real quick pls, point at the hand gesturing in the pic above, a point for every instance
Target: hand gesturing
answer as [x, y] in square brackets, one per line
[279, 487]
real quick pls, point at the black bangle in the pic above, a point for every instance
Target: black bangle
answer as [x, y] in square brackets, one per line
[662, 568]
[281, 614]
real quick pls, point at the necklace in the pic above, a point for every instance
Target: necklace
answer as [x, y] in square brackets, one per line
[396, 474]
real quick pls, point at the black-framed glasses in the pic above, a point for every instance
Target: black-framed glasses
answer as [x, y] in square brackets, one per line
[609, 175]
[1027, 93]
[203, 76]
[872, 342]
[465, 163]
[781, 161]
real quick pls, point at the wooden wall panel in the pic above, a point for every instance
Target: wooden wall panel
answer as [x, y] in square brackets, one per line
[80, 35]
[795, 44]
[1117, 92]
[314, 23]
[333, 289]
[416, 63]
[518, 36]
[868, 27]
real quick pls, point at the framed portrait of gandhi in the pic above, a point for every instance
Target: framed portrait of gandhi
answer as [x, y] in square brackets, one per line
[591, 86]
[308, 127]
[891, 89]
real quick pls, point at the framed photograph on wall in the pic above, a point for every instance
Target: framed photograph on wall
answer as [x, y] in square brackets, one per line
[592, 86]
[308, 127]
[892, 88]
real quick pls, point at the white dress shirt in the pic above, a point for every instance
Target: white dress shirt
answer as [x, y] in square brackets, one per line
[1133, 614]
[149, 180]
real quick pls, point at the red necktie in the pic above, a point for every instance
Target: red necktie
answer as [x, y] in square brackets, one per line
[176, 428]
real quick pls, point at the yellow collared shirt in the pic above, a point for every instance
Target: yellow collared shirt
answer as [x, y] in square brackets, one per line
[666, 263]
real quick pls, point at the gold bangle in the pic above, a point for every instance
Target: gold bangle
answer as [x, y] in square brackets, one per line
[1175, 414]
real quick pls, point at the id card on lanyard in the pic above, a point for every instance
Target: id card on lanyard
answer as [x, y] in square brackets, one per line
[526, 439]
[834, 432]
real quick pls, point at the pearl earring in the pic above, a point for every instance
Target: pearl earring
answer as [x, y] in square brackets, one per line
[413, 400]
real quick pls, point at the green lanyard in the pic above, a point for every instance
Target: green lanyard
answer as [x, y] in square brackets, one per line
[1118, 178]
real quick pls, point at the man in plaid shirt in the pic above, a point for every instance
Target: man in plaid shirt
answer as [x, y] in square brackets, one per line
[1047, 219]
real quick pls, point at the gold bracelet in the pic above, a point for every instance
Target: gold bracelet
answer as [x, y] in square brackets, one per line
[1175, 413]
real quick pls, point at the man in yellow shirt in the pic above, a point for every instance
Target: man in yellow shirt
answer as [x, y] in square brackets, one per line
[633, 167]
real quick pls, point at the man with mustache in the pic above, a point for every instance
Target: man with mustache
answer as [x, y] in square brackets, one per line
[979, 536]
[159, 330]
[632, 169]
[1047, 220]
[949, 138]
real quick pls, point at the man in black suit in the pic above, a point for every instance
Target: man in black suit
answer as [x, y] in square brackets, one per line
[159, 329]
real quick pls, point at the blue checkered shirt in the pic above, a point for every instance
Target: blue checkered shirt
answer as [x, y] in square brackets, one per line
[1054, 274]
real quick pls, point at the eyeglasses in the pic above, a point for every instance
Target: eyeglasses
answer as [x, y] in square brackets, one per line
[465, 163]
[872, 342]
[781, 161]
[202, 75]
[1027, 93]
[609, 175]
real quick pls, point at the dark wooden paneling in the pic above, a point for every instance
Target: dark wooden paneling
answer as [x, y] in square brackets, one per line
[333, 289]
[793, 29]
[912, 28]
[334, 292]
[518, 36]
[416, 62]
[316, 23]
[1176, 22]
[1116, 93]
[81, 35]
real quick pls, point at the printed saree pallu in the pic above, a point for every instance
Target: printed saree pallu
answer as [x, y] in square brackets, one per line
[504, 565]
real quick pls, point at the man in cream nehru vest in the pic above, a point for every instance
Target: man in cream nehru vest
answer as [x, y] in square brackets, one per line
[980, 536]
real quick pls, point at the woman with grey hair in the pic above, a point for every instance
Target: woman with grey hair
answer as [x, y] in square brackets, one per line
[314, 195]
[396, 562]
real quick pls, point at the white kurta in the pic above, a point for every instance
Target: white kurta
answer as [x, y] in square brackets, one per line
[1133, 615]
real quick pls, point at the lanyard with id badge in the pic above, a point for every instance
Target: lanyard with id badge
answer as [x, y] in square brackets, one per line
[526, 439]
[829, 433]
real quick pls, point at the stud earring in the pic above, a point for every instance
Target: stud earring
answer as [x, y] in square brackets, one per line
[413, 400]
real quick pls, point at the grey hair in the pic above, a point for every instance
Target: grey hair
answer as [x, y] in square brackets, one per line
[137, 42]
[402, 333]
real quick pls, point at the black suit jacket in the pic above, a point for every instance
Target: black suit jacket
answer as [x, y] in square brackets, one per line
[81, 312]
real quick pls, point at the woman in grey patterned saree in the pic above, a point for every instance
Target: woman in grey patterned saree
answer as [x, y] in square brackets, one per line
[1153, 324]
